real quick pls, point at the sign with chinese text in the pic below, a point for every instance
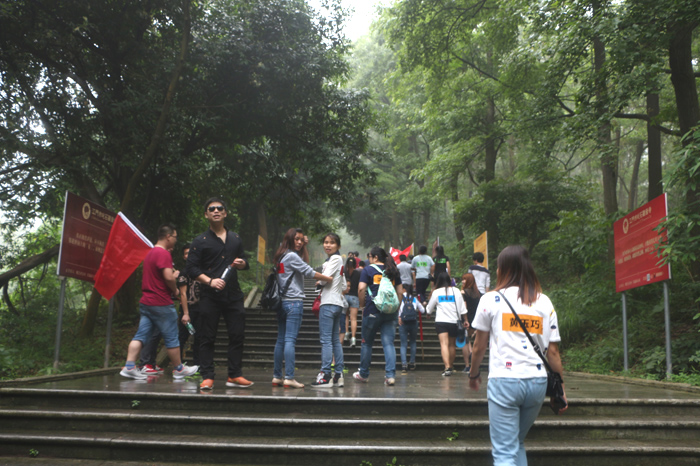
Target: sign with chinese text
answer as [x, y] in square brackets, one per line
[86, 227]
[636, 242]
[481, 245]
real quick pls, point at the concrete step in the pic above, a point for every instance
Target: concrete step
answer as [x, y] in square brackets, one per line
[407, 426]
[149, 448]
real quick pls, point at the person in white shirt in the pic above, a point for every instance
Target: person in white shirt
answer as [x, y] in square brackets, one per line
[447, 303]
[517, 377]
[481, 273]
[423, 265]
[406, 271]
[408, 330]
[330, 314]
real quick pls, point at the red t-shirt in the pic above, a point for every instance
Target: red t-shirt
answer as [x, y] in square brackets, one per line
[155, 291]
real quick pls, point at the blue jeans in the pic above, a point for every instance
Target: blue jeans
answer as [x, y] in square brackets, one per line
[328, 325]
[408, 332]
[288, 324]
[385, 324]
[163, 318]
[513, 407]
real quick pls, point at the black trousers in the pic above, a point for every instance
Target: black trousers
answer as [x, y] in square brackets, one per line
[422, 288]
[211, 309]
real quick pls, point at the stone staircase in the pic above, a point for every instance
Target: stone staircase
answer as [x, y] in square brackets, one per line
[424, 420]
[261, 334]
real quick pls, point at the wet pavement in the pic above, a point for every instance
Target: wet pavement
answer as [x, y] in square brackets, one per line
[415, 385]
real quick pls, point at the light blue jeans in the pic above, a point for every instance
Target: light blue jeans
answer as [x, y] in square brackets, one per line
[328, 327]
[513, 407]
[288, 324]
[164, 319]
[385, 324]
[408, 332]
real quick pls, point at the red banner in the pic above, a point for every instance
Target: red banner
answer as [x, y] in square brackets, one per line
[126, 249]
[636, 259]
[395, 253]
[84, 236]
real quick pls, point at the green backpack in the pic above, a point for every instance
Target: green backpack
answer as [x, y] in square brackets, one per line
[387, 301]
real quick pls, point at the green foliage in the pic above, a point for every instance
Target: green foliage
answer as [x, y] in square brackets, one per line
[135, 404]
[33, 453]
[453, 437]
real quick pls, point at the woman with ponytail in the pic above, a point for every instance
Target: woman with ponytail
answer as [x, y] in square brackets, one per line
[373, 320]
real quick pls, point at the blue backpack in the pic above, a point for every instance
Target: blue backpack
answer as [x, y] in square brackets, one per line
[409, 310]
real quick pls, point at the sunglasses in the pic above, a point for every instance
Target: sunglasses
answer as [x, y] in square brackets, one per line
[212, 208]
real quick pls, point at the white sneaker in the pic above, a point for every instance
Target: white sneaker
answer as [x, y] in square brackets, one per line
[133, 373]
[347, 337]
[352, 342]
[359, 378]
[185, 372]
[390, 381]
[338, 380]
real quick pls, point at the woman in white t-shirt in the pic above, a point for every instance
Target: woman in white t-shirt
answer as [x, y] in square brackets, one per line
[447, 303]
[517, 377]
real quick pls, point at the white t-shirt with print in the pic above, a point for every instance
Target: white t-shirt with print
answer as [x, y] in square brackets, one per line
[448, 305]
[510, 351]
[422, 263]
[332, 292]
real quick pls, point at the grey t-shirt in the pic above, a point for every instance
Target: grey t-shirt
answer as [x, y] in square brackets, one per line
[405, 271]
[422, 263]
[291, 262]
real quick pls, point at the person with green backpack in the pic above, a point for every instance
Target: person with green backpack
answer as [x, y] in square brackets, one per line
[379, 291]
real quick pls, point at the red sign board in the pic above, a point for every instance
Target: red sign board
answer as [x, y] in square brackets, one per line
[636, 259]
[85, 232]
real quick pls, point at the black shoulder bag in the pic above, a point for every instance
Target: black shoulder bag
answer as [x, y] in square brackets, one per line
[272, 296]
[554, 382]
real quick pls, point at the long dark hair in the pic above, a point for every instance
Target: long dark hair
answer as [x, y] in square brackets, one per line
[389, 265]
[515, 269]
[443, 280]
[350, 266]
[288, 243]
[469, 286]
[439, 252]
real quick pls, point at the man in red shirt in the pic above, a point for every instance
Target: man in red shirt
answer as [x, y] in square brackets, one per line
[156, 306]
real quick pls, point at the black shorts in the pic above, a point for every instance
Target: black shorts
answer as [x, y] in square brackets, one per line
[445, 327]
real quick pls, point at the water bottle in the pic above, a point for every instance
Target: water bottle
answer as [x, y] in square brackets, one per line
[225, 275]
[190, 328]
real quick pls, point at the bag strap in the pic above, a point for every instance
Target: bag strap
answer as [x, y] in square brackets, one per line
[369, 290]
[529, 337]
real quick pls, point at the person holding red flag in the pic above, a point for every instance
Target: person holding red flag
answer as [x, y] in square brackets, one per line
[215, 258]
[156, 306]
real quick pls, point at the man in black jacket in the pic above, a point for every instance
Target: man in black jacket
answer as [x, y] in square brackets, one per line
[214, 260]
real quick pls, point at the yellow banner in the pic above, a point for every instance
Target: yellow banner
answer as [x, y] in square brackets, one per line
[261, 249]
[481, 245]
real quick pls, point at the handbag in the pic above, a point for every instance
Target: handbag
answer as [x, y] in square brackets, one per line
[316, 306]
[271, 298]
[555, 391]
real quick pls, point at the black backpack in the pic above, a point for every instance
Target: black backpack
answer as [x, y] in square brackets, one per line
[409, 310]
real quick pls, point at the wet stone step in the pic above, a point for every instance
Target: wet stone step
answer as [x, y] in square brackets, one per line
[304, 451]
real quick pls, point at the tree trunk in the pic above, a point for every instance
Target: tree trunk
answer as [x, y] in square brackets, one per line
[459, 232]
[685, 88]
[634, 181]
[490, 149]
[28, 264]
[425, 234]
[656, 187]
[608, 159]
[395, 239]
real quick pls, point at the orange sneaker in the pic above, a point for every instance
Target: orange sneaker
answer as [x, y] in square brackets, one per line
[238, 382]
[207, 384]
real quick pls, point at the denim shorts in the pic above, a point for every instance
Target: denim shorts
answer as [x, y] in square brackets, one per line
[164, 318]
[353, 301]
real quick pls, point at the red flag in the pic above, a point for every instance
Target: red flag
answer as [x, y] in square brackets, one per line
[395, 253]
[126, 249]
